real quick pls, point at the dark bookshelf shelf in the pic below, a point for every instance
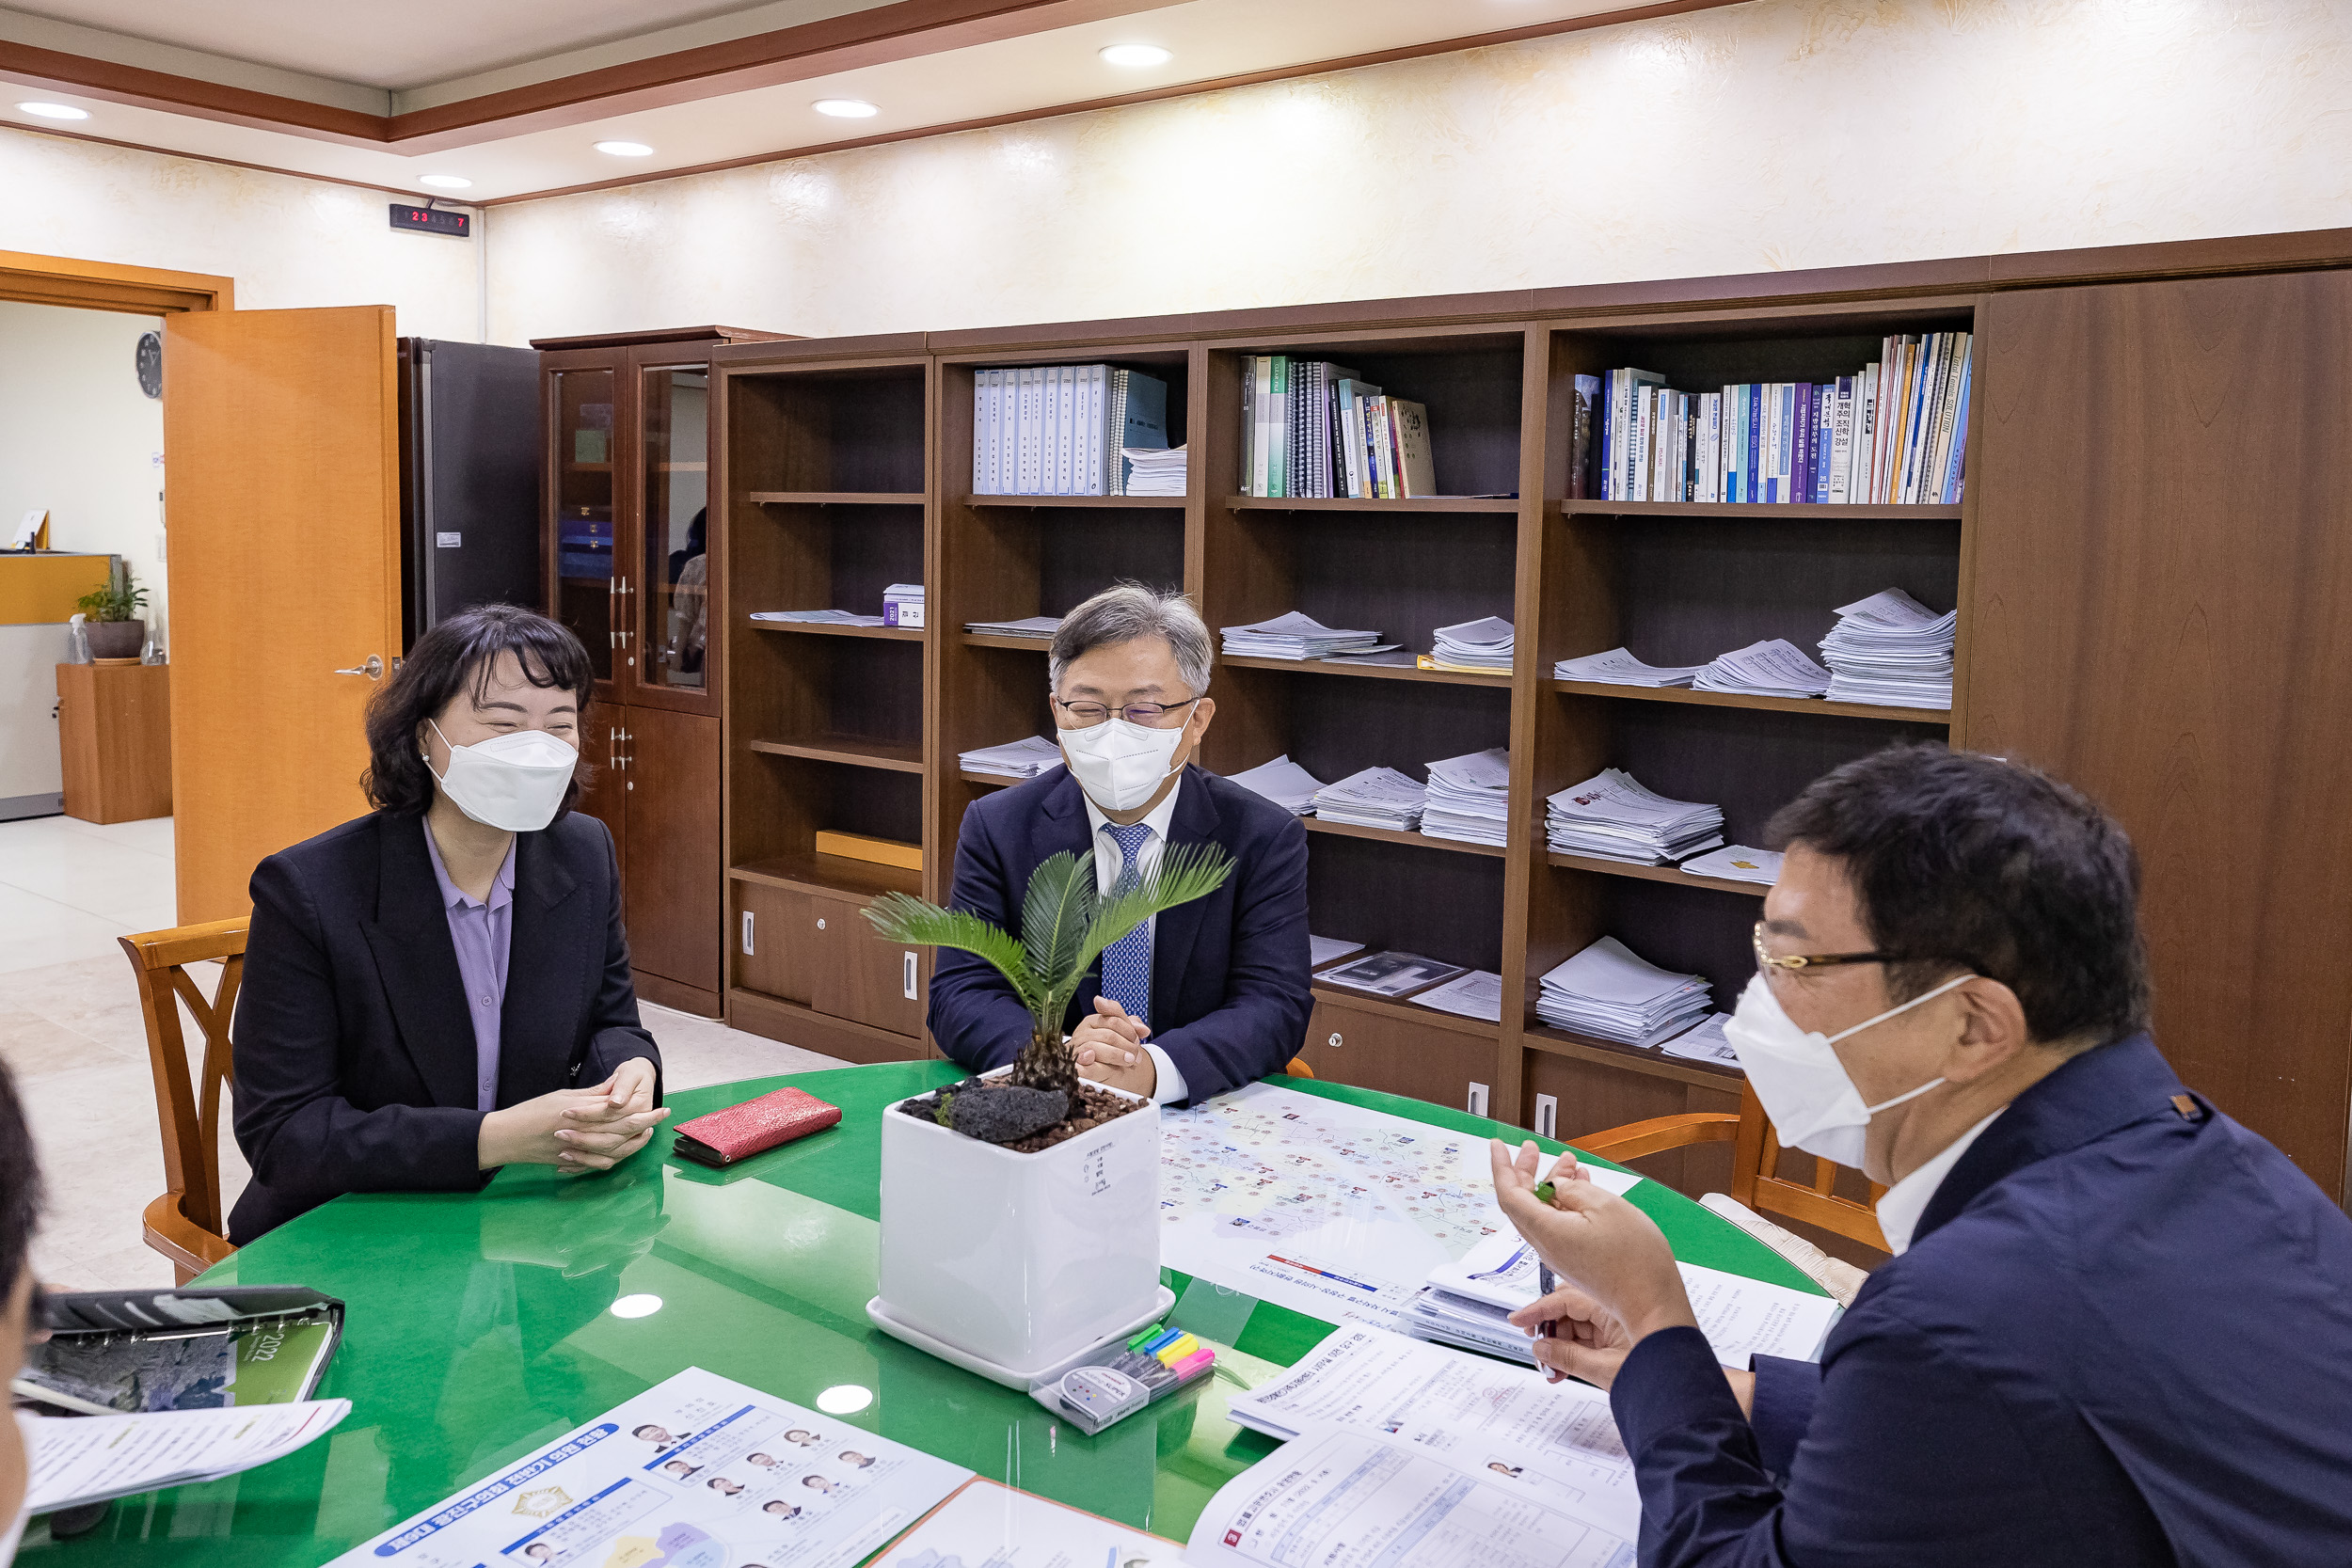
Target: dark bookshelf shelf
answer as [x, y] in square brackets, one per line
[990, 640]
[847, 749]
[1135, 503]
[1560, 1042]
[1760, 511]
[1376, 672]
[1771, 704]
[835, 497]
[822, 628]
[1354, 503]
[1389, 835]
[1653, 874]
[829, 874]
[988, 781]
[1405, 1013]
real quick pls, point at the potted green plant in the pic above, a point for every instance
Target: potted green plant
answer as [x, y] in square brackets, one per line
[111, 615]
[1020, 1210]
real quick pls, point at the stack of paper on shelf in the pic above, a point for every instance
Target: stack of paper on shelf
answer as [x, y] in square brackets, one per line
[1042, 627]
[1063, 430]
[1296, 635]
[1154, 470]
[1477, 994]
[902, 605]
[1619, 668]
[819, 617]
[1737, 863]
[1891, 650]
[1483, 648]
[1324, 950]
[1470, 798]
[1282, 782]
[1611, 815]
[1705, 1044]
[1376, 798]
[1606, 993]
[1024, 758]
[1772, 668]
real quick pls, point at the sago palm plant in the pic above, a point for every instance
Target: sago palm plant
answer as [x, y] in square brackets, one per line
[1064, 929]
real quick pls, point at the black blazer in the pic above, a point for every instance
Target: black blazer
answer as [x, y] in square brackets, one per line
[1230, 992]
[355, 1057]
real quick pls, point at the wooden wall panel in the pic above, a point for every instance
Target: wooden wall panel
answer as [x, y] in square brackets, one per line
[2162, 556]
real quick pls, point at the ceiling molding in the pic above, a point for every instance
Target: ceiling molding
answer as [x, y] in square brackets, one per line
[401, 192]
[187, 95]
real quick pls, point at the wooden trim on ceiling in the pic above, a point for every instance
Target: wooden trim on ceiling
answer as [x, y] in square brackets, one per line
[108, 286]
[409, 196]
[187, 95]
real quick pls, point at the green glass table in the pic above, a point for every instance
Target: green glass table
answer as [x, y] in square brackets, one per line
[481, 1326]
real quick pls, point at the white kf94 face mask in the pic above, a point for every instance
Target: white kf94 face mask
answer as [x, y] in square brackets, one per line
[1813, 1103]
[514, 780]
[1119, 765]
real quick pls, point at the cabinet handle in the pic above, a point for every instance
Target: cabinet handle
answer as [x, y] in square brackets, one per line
[1335, 1040]
[747, 933]
[909, 978]
[1477, 1104]
[820, 922]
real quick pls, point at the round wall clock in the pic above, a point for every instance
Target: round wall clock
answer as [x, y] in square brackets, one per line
[151, 364]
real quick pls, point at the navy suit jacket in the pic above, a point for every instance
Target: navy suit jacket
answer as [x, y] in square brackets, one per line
[354, 1055]
[2122, 1335]
[1230, 994]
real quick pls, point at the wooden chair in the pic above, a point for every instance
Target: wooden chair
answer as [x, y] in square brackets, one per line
[1754, 1165]
[1298, 1068]
[187, 1224]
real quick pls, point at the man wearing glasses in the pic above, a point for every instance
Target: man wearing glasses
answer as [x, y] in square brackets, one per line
[2117, 1326]
[1203, 997]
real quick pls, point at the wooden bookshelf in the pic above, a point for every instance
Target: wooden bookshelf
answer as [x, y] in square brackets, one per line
[826, 629]
[827, 874]
[990, 640]
[1762, 512]
[1370, 672]
[1670, 875]
[1391, 835]
[1506, 504]
[1816, 706]
[835, 497]
[845, 749]
[1112, 503]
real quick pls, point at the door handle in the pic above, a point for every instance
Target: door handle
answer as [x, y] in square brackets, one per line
[373, 668]
[910, 978]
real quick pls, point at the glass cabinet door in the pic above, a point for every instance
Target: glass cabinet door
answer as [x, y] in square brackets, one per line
[585, 541]
[673, 615]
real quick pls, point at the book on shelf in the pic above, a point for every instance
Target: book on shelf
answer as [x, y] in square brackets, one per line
[1893, 433]
[1315, 431]
[1041, 627]
[1062, 430]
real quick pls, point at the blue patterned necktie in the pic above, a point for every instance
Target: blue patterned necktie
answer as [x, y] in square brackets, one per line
[1127, 963]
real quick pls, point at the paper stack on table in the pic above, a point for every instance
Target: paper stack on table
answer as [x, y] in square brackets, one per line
[1705, 1044]
[1772, 668]
[1611, 815]
[1042, 627]
[1480, 647]
[1737, 863]
[88, 1459]
[1470, 798]
[1296, 635]
[1376, 798]
[1154, 470]
[1606, 993]
[1282, 782]
[1891, 650]
[819, 617]
[1024, 758]
[1618, 667]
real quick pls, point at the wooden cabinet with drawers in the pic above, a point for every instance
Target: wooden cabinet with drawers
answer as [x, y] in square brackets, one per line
[808, 962]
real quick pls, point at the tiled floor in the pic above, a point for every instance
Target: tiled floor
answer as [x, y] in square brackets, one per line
[69, 1029]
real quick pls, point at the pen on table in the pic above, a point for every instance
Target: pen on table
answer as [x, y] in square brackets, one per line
[1548, 1328]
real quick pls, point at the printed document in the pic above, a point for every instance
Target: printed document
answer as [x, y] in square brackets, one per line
[991, 1526]
[86, 1459]
[697, 1471]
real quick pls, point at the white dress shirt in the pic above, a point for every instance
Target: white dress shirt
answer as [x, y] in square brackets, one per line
[1108, 863]
[1901, 1205]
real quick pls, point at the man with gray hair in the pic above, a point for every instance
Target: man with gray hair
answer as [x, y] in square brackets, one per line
[1203, 997]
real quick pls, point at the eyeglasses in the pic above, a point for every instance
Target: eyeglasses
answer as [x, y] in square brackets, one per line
[1797, 962]
[1084, 716]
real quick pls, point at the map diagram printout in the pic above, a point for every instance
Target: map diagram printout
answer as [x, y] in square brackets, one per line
[1326, 1209]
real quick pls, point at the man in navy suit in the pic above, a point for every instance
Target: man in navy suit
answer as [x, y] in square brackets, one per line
[1206, 996]
[2117, 1326]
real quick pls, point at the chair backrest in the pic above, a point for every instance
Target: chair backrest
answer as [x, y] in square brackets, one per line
[187, 1224]
[1756, 1182]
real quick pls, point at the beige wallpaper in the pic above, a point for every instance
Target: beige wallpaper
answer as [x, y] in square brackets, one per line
[288, 241]
[1783, 134]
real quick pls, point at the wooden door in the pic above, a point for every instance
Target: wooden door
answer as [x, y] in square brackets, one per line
[603, 744]
[862, 977]
[284, 512]
[673, 880]
[774, 942]
[2162, 554]
[672, 653]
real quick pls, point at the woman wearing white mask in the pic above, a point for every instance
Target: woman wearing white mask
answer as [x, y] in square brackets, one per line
[441, 988]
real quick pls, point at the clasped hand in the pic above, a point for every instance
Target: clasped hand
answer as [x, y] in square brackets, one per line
[1108, 1047]
[577, 1130]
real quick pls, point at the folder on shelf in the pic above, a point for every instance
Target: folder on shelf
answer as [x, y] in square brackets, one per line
[880, 851]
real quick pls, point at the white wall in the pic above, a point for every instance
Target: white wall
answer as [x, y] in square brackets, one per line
[78, 437]
[1781, 135]
[288, 241]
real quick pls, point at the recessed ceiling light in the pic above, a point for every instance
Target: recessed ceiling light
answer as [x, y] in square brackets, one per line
[847, 108]
[624, 148]
[636, 1306]
[55, 111]
[1137, 57]
[444, 182]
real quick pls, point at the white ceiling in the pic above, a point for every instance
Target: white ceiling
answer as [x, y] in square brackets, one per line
[1210, 40]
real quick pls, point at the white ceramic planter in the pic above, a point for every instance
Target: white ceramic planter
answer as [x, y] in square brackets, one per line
[1019, 1261]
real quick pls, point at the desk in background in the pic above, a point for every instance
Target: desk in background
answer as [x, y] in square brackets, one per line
[36, 593]
[480, 1327]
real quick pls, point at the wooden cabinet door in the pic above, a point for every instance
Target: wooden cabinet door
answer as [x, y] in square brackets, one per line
[779, 952]
[864, 978]
[606, 796]
[1374, 1048]
[284, 511]
[673, 879]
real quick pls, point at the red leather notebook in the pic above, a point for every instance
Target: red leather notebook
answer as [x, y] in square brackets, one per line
[743, 1131]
